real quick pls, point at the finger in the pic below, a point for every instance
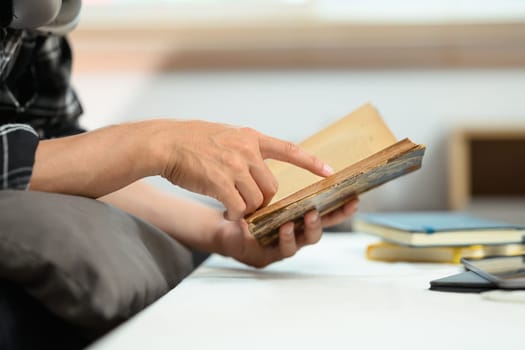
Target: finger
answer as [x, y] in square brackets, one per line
[233, 201]
[313, 229]
[351, 207]
[338, 216]
[265, 180]
[287, 244]
[250, 192]
[292, 153]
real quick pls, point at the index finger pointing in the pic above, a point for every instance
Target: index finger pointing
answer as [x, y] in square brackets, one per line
[291, 153]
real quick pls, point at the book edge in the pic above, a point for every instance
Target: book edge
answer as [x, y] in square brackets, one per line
[405, 145]
[264, 227]
[462, 237]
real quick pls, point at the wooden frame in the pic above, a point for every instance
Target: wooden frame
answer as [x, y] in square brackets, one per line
[299, 44]
[460, 155]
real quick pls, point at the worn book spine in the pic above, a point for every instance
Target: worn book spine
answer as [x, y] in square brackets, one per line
[336, 190]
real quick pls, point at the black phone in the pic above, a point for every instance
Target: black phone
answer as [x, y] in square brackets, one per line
[506, 272]
[465, 282]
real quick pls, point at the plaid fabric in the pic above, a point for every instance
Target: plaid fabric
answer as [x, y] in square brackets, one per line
[34, 83]
[34, 91]
[18, 146]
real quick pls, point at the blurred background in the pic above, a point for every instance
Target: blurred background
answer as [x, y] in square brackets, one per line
[446, 73]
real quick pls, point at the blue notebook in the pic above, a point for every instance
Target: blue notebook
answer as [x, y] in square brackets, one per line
[438, 228]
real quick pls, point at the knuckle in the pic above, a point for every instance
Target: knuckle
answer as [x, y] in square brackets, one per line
[268, 195]
[290, 147]
[249, 131]
[270, 189]
[258, 200]
[248, 150]
[239, 207]
[234, 163]
[251, 208]
[221, 182]
[244, 146]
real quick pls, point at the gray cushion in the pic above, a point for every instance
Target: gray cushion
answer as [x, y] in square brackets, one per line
[88, 262]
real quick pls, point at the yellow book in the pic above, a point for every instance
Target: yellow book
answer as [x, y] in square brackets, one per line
[364, 154]
[391, 252]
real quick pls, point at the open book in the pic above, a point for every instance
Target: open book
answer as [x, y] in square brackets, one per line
[363, 153]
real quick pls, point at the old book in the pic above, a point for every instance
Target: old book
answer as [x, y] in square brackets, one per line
[364, 154]
[391, 252]
[445, 228]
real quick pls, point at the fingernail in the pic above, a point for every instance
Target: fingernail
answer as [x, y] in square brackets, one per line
[288, 230]
[327, 170]
[314, 218]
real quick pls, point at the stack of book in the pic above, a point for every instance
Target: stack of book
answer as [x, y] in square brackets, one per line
[444, 237]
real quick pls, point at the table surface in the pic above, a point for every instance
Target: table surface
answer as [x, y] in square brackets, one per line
[328, 295]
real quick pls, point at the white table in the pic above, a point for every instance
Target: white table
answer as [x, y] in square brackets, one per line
[326, 297]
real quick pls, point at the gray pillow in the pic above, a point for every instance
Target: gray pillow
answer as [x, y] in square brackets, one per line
[87, 262]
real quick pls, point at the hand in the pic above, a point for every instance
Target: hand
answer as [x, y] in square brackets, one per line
[237, 242]
[227, 163]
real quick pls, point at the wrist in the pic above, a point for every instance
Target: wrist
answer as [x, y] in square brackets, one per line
[158, 146]
[218, 238]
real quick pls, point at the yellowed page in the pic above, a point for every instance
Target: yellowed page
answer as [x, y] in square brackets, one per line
[347, 141]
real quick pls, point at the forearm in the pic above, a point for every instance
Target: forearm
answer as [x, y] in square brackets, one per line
[191, 223]
[107, 164]
[96, 163]
[220, 161]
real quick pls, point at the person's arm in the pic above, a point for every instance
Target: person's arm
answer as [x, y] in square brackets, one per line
[96, 163]
[221, 161]
[190, 222]
[200, 227]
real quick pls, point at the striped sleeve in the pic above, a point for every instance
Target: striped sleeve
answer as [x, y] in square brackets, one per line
[17, 155]
[6, 12]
